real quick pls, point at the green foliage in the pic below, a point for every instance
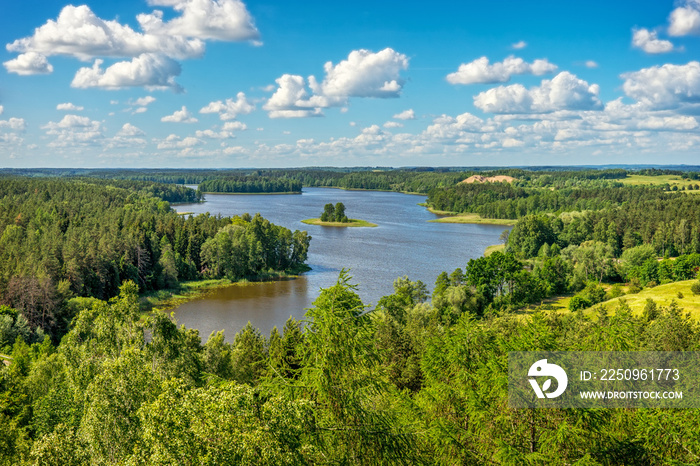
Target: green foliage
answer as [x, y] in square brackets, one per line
[591, 295]
[250, 184]
[250, 248]
[228, 424]
[695, 287]
[334, 213]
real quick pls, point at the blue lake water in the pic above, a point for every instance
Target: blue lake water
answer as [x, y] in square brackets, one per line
[403, 243]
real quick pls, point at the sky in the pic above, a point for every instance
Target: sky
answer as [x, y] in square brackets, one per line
[232, 84]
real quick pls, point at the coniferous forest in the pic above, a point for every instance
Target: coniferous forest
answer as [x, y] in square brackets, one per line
[88, 377]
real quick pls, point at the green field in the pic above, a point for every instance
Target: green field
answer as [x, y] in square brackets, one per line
[474, 218]
[493, 248]
[646, 180]
[662, 295]
[352, 222]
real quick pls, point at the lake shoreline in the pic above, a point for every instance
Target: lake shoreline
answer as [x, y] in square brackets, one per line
[171, 298]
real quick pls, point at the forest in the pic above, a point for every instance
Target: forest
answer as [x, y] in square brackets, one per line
[421, 378]
[64, 240]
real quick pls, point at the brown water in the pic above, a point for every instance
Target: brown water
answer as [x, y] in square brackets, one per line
[404, 243]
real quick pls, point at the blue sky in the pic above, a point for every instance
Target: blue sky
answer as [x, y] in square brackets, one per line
[225, 83]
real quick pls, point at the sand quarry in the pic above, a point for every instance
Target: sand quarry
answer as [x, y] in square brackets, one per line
[489, 179]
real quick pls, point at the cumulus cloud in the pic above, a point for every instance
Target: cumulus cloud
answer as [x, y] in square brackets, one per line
[129, 130]
[405, 115]
[519, 45]
[78, 32]
[176, 142]
[29, 63]
[74, 130]
[69, 107]
[649, 42]
[366, 74]
[13, 124]
[231, 108]
[227, 132]
[664, 87]
[363, 74]
[147, 70]
[234, 126]
[291, 99]
[180, 116]
[564, 92]
[393, 124]
[144, 101]
[480, 71]
[685, 20]
[205, 19]
[591, 64]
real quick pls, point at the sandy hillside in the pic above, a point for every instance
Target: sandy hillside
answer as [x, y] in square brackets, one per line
[490, 179]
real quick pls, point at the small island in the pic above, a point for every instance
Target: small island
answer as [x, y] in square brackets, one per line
[334, 216]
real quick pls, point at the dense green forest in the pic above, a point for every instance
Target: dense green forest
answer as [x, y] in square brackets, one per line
[412, 382]
[73, 238]
[420, 379]
[250, 184]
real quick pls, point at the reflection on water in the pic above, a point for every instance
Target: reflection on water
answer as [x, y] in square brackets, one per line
[404, 243]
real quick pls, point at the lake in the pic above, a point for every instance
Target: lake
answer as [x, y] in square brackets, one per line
[403, 243]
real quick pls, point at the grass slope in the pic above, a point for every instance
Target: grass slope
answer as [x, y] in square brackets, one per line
[353, 222]
[662, 295]
[472, 218]
[493, 248]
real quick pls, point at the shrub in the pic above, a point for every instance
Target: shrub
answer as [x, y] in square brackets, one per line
[578, 302]
[695, 287]
[615, 292]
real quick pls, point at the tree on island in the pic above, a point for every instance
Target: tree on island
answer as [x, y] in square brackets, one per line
[335, 213]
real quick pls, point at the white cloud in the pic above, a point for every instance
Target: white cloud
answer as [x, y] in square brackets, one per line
[363, 74]
[366, 74]
[510, 142]
[393, 124]
[147, 70]
[144, 101]
[13, 124]
[666, 86]
[519, 45]
[80, 33]
[231, 108]
[591, 64]
[2, 109]
[69, 107]
[74, 130]
[234, 126]
[685, 20]
[291, 100]
[29, 63]
[405, 115]
[129, 130]
[205, 19]
[481, 72]
[226, 132]
[564, 92]
[649, 42]
[140, 110]
[180, 116]
[175, 142]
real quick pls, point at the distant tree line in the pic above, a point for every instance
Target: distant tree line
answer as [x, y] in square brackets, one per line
[250, 184]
